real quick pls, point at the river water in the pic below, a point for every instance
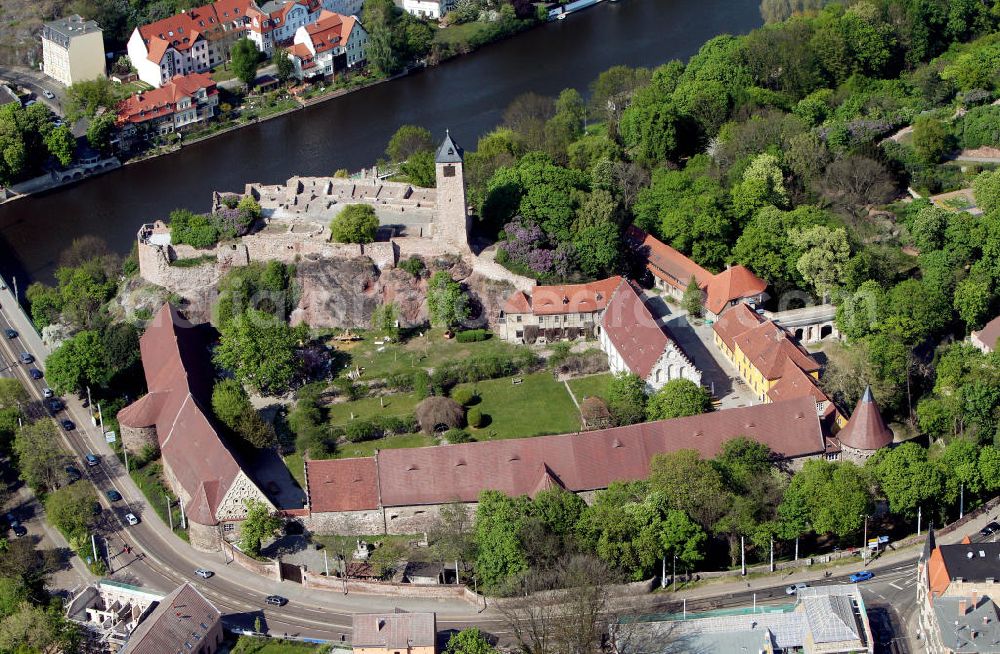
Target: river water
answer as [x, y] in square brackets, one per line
[467, 95]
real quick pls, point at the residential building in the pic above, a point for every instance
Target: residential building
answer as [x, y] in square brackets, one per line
[275, 22]
[432, 9]
[329, 45]
[401, 491]
[957, 590]
[672, 272]
[73, 50]
[556, 313]
[184, 101]
[986, 338]
[824, 620]
[865, 433]
[635, 342]
[192, 41]
[183, 621]
[394, 633]
[175, 415]
[111, 609]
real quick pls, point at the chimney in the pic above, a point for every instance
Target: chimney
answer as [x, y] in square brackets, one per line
[963, 606]
[975, 599]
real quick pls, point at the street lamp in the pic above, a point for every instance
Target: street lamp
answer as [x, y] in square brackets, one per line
[864, 540]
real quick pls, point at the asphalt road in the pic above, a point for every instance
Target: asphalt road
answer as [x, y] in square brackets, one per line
[36, 81]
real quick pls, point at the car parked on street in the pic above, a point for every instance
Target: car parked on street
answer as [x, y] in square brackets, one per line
[49, 94]
[990, 529]
[92, 460]
[26, 358]
[73, 474]
[48, 392]
[275, 600]
[20, 531]
[863, 575]
[795, 588]
[131, 519]
[10, 333]
[68, 425]
[54, 404]
[35, 373]
[113, 495]
[203, 573]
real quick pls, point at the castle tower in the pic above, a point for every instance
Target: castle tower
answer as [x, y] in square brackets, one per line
[451, 222]
[866, 431]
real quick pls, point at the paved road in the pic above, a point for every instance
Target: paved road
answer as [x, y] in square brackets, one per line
[36, 81]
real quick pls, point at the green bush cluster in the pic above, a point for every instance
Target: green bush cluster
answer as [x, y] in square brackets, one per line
[472, 335]
[455, 436]
[464, 396]
[479, 368]
[475, 417]
[359, 431]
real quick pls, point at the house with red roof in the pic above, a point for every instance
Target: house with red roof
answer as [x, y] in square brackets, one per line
[334, 42]
[275, 22]
[635, 342]
[556, 313]
[183, 101]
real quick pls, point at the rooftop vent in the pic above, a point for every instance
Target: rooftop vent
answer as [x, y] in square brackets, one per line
[617, 443]
[412, 466]
[514, 457]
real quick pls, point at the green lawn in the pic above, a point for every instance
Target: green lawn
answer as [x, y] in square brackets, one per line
[351, 450]
[251, 645]
[294, 463]
[591, 386]
[459, 33]
[223, 74]
[402, 404]
[539, 405]
[122, 91]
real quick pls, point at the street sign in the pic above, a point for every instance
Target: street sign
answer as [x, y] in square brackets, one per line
[873, 543]
[110, 436]
[883, 540]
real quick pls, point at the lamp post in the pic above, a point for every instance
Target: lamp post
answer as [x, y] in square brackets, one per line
[674, 578]
[864, 541]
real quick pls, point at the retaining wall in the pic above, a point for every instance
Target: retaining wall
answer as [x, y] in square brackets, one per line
[315, 581]
[269, 569]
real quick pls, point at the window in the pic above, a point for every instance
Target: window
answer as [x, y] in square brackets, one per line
[228, 526]
[449, 171]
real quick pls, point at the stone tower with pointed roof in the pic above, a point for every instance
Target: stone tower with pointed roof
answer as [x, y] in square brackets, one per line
[865, 432]
[451, 223]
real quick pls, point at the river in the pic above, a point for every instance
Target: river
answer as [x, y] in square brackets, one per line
[467, 95]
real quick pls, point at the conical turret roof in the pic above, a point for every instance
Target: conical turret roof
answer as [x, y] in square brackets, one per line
[449, 152]
[866, 430]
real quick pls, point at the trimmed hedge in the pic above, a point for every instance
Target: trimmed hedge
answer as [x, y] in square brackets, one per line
[464, 396]
[472, 335]
[474, 417]
[491, 366]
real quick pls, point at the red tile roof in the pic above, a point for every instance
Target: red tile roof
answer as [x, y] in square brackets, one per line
[342, 485]
[667, 263]
[181, 622]
[584, 461]
[767, 347]
[989, 334]
[796, 383]
[518, 302]
[161, 102]
[734, 322]
[174, 359]
[330, 31]
[865, 430]
[733, 283]
[182, 30]
[634, 331]
[572, 298]
[393, 631]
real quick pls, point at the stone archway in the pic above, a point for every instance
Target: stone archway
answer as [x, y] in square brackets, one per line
[826, 330]
[798, 334]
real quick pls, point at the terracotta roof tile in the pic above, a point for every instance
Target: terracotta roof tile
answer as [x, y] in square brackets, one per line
[518, 302]
[734, 322]
[160, 102]
[180, 622]
[767, 346]
[182, 30]
[342, 485]
[634, 331]
[731, 284]
[330, 31]
[394, 631]
[573, 298]
[584, 461]
[865, 430]
[667, 263]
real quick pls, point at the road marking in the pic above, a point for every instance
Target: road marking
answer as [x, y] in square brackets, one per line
[893, 584]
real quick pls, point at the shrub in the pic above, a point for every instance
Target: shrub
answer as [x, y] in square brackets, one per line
[455, 436]
[436, 411]
[413, 265]
[981, 126]
[401, 382]
[348, 389]
[394, 425]
[472, 335]
[361, 430]
[465, 396]
[421, 384]
[595, 412]
[475, 417]
[196, 230]
[356, 223]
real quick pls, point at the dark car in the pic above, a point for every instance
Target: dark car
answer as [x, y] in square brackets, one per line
[27, 358]
[113, 495]
[19, 531]
[92, 460]
[67, 425]
[275, 600]
[35, 373]
[10, 333]
[54, 404]
[11, 519]
[73, 474]
[990, 529]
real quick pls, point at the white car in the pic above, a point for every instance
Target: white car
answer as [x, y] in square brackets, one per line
[795, 588]
[131, 519]
[47, 393]
[203, 573]
[49, 94]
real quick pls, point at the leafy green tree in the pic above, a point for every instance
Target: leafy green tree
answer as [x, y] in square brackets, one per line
[986, 188]
[356, 223]
[71, 509]
[244, 59]
[650, 130]
[259, 350]
[447, 303]
[385, 320]
[284, 66]
[683, 538]
[40, 458]
[196, 230]
[973, 296]
[46, 304]
[612, 90]
[824, 254]
[762, 184]
[678, 398]
[499, 554]
[100, 130]
[77, 363]
[12, 393]
[907, 479]
[690, 484]
[84, 99]
[989, 468]
[408, 141]
[627, 399]
[833, 497]
[61, 144]
[596, 234]
[931, 139]
[929, 227]
[259, 524]
[229, 402]
[469, 641]
[420, 169]
[960, 463]
[692, 300]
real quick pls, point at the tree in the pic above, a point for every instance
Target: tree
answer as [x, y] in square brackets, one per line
[762, 184]
[907, 479]
[825, 251]
[259, 524]
[407, 141]
[855, 182]
[244, 59]
[596, 235]
[12, 393]
[447, 303]
[77, 363]
[499, 556]
[690, 484]
[420, 170]
[284, 66]
[434, 411]
[931, 139]
[259, 350]
[612, 91]
[692, 298]
[100, 130]
[196, 230]
[451, 534]
[678, 398]
[230, 402]
[356, 223]
[469, 641]
[627, 399]
[972, 300]
[84, 99]
[61, 144]
[833, 497]
[40, 458]
[71, 509]
[986, 188]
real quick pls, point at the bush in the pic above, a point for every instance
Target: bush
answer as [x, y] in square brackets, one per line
[413, 265]
[395, 425]
[436, 411]
[455, 436]
[401, 382]
[472, 336]
[362, 430]
[196, 230]
[491, 366]
[981, 127]
[475, 417]
[348, 389]
[356, 223]
[465, 396]
[582, 363]
[421, 383]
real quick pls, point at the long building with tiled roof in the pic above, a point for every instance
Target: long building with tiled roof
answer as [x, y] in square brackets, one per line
[184, 101]
[399, 490]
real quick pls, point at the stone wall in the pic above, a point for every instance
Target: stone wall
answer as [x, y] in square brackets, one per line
[362, 523]
[315, 581]
[269, 569]
[136, 438]
[487, 267]
[204, 538]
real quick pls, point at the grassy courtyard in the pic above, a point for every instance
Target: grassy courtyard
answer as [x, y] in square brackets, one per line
[538, 405]
[591, 386]
[401, 404]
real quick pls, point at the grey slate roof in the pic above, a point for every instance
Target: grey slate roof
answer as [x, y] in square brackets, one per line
[974, 562]
[394, 630]
[449, 152]
[71, 26]
[978, 631]
[831, 618]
